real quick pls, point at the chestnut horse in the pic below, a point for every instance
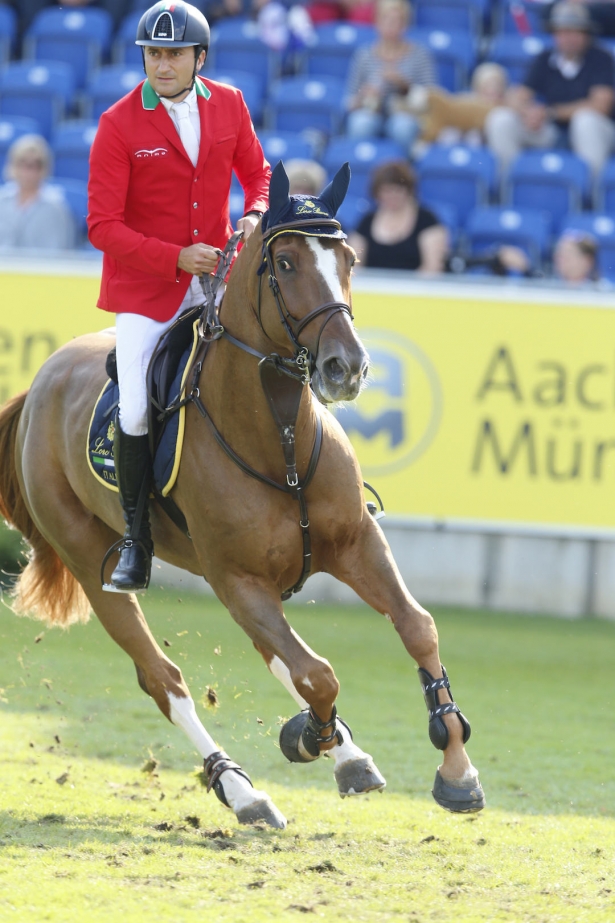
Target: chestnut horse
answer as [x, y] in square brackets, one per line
[244, 536]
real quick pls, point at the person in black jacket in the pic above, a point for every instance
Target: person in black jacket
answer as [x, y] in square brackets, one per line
[566, 98]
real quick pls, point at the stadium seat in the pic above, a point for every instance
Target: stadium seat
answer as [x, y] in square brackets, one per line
[108, 85]
[463, 176]
[363, 157]
[124, 49]
[557, 181]
[299, 103]
[285, 145]
[13, 127]
[529, 229]
[461, 15]
[605, 194]
[522, 17]
[41, 90]
[71, 148]
[602, 228]
[78, 37]
[454, 53]
[516, 52]
[336, 42]
[250, 90]
[352, 210]
[75, 192]
[447, 214]
[8, 32]
[235, 45]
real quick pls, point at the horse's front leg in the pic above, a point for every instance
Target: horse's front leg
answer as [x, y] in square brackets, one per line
[368, 567]
[355, 772]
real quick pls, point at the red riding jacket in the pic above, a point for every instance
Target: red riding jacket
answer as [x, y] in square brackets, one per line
[147, 201]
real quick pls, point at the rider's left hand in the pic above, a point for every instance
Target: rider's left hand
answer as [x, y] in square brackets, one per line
[247, 225]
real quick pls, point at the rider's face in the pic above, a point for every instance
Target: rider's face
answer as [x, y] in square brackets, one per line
[169, 70]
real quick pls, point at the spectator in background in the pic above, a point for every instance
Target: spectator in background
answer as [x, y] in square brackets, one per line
[381, 75]
[32, 215]
[305, 177]
[361, 11]
[400, 233]
[567, 96]
[575, 258]
[451, 118]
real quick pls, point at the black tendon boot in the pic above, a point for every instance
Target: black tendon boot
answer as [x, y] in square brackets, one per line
[133, 466]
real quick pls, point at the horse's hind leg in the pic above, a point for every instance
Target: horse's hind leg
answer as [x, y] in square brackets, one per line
[368, 567]
[355, 772]
[84, 542]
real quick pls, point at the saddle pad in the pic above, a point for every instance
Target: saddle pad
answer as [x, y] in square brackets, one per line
[169, 448]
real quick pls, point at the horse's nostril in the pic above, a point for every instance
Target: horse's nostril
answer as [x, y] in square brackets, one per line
[335, 370]
[365, 371]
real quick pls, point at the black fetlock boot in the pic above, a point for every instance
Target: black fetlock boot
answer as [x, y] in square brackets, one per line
[133, 468]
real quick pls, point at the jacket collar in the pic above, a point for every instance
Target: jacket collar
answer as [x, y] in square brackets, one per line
[150, 99]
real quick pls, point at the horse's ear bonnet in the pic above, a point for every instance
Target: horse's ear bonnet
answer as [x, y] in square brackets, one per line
[286, 209]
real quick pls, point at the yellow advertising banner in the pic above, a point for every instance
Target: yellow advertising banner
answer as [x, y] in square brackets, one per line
[476, 409]
[488, 410]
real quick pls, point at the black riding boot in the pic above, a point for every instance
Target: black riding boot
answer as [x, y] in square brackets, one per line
[133, 467]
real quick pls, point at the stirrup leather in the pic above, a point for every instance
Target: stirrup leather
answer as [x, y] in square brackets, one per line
[217, 763]
[438, 731]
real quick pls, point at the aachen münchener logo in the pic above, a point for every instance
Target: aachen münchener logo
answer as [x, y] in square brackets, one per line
[397, 417]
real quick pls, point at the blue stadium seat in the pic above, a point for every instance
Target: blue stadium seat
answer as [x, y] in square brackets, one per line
[336, 42]
[124, 49]
[299, 103]
[605, 195]
[462, 15]
[78, 37]
[235, 45]
[454, 53]
[250, 90]
[8, 32]
[602, 228]
[447, 214]
[352, 210]
[285, 145]
[13, 127]
[516, 52]
[363, 157]
[557, 181]
[41, 90]
[75, 192]
[529, 229]
[71, 148]
[522, 17]
[463, 176]
[108, 85]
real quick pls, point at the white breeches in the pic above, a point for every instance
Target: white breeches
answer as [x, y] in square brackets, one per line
[136, 339]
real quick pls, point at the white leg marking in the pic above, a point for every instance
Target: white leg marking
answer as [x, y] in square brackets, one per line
[239, 793]
[281, 672]
[326, 263]
[347, 750]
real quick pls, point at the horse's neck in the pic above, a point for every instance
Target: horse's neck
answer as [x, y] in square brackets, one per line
[231, 385]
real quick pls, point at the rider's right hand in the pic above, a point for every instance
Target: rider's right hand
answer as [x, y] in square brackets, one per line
[198, 258]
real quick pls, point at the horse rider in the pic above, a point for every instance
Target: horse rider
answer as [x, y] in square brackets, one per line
[160, 174]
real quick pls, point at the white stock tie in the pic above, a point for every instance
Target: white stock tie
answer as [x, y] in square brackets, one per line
[186, 131]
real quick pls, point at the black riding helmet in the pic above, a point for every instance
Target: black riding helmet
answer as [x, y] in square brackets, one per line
[174, 25]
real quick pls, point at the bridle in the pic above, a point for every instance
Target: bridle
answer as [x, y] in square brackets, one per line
[293, 325]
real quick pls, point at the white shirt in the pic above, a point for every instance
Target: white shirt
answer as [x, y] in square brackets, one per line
[194, 295]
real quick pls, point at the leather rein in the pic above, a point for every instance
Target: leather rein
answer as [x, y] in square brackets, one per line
[282, 378]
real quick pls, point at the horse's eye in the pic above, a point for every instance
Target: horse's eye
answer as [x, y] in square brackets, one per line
[284, 265]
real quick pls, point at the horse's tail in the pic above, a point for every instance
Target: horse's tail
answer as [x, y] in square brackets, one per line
[46, 588]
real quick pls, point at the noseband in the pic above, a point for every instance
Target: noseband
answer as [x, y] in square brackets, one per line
[293, 325]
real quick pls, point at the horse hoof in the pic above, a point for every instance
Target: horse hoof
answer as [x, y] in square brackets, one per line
[262, 812]
[291, 743]
[357, 777]
[458, 800]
